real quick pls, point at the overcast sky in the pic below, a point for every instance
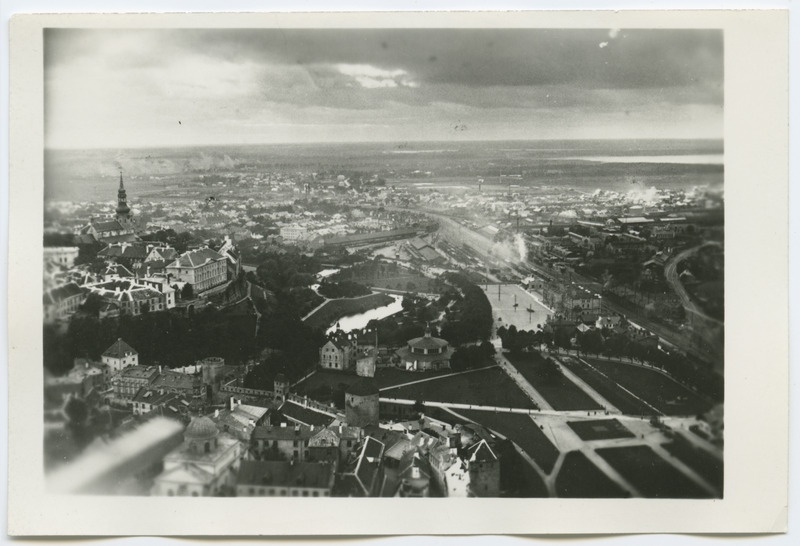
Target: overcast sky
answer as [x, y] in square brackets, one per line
[132, 88]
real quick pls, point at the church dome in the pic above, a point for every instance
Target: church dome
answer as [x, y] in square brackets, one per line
[201, 428]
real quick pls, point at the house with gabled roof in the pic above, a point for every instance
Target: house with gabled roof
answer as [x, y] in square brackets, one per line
[108, 231]
[161, 254]
[126, 253]
[337, 354]
[362, 475]
[120, 355]
[484, 470]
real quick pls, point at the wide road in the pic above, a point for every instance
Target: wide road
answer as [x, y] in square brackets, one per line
[671, 274]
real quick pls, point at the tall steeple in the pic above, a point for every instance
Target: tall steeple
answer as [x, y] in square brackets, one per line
[123, 211]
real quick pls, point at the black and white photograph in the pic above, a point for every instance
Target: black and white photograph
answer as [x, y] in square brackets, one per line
[384, 262]
[396, 262]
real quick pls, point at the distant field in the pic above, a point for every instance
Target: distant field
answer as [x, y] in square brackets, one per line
[333, 310]
[490, 387]
[650, 474]
[608, 389]
[579, 478]
[660, 391]
[521, 430]
[605, 429]
[559, 391]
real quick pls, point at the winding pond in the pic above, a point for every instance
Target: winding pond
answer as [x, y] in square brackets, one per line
[360, 320]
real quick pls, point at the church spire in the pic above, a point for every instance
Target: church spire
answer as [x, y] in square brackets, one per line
[123, 211]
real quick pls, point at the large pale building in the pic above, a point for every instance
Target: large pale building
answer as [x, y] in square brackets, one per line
[205, 465]
[338, 354]
[203, 268]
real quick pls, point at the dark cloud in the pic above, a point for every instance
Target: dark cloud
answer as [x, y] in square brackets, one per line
[519, 57]
[405, 80]
[637, 58]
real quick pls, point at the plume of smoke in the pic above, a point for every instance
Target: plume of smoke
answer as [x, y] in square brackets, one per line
[522, 248]
[643, 196]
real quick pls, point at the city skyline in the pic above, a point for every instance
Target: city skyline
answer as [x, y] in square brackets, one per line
[242, 86]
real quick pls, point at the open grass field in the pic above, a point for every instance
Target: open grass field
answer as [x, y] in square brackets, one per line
[579, 478]
[505, 314]
[384, 377]
[517, 477]
[390, 276]
[605, 429]
[333, 310]
[660, 391]
[521, 430]
[650, 474]
[607, 388]
[708, 466]
[558, 390]
[490, 387]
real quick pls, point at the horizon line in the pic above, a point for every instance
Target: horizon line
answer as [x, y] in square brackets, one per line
[375, 142]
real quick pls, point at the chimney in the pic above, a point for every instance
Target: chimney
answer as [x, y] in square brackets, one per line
[231, 404]
[159, 369]
[216, 413]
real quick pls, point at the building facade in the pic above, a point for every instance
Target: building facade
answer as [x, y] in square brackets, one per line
[204, 466]
[426, 353]
[285, 479]
[337, 355]
[204, 269]
[119, 356]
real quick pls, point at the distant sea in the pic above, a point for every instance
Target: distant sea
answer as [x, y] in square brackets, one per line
[83, 175]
